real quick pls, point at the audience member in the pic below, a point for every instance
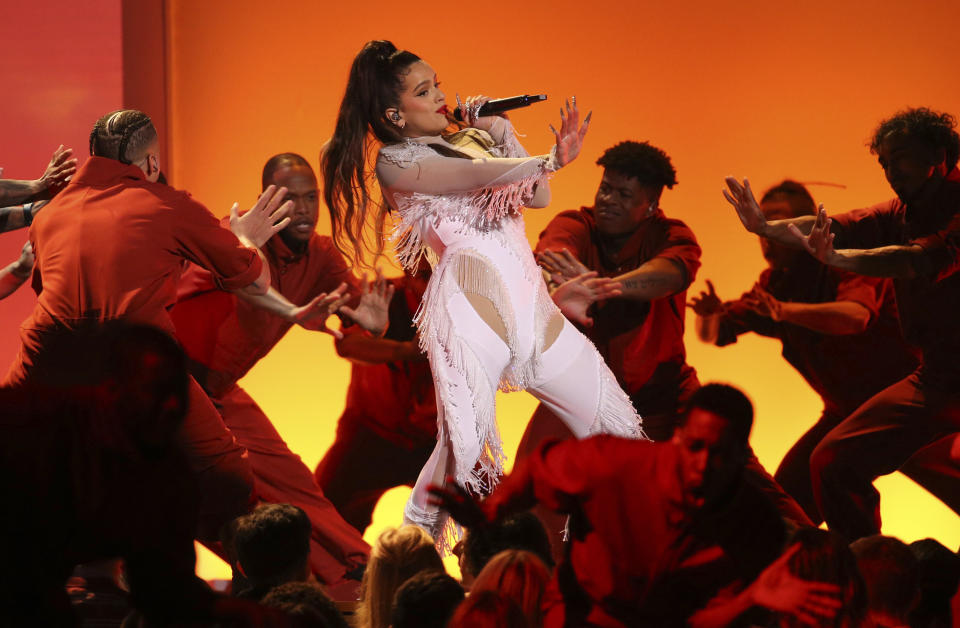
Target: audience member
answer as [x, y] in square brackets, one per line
[892, 575]
[397, 555]
[519, 531]
[426, 600]
[520, 576]
[98, 593]
[272, 545]
[307, 604]
[939, 580]
[89, 457]
[488, 609]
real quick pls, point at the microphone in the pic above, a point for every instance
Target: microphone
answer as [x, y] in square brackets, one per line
[493, 107]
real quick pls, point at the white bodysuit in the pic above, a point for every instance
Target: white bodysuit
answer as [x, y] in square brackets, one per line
[465, 214]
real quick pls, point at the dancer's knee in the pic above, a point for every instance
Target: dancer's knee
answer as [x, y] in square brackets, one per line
[826, 458]
[226, 492]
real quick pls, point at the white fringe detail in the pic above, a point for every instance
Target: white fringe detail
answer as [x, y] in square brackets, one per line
[445, 531]
[440, 340]
[478, 211]
[615, 412]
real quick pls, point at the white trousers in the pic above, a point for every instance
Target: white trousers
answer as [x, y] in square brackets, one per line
[571, 379]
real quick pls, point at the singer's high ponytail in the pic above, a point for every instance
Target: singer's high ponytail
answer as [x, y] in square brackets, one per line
[375, 83]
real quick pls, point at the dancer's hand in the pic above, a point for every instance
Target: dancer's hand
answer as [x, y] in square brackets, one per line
[570, 136]
[58, 172]
[574, 297]
[813, 603]
[24, 265]
[707, 303]
[562, 265]
[761, 302]
[314, 315]
[740, 195]
[819, 242]
[373, 312]
[266, 218]
[462, 506]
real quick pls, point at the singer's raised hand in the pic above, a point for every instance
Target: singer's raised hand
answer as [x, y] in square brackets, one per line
[570, 136]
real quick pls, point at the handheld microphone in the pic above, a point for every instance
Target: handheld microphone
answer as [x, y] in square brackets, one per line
[493, 107]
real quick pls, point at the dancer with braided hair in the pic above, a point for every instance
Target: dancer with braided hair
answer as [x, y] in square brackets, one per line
[111, 246]
[486, 320]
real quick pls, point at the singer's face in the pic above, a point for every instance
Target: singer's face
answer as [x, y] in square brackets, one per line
[423, 105]
[622, 203]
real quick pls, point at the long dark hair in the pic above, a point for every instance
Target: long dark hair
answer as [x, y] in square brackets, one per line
[375, 84]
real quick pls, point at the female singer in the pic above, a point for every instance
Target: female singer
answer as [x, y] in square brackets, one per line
[486, 320]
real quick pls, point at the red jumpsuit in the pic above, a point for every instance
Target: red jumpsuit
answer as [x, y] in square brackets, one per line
[641, 341]
[881, 435]
[224, 337]
[112, 245]
[390, 414]
[636, 557]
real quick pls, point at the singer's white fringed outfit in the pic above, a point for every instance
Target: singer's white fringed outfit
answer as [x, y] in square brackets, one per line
[465, 214]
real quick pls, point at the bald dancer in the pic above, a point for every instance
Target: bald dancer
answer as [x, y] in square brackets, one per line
[226, 334]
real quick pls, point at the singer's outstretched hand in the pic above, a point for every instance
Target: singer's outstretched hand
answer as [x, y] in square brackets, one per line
[570, 136]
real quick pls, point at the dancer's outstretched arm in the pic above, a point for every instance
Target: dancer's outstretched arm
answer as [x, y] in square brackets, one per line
[656, 278]
[812, 603]
[16, 273]
[905, 261]
[740, 195]
[59, 171]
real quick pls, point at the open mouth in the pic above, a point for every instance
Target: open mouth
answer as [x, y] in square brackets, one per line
[301, 227]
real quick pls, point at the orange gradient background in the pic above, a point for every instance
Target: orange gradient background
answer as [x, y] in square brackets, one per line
[759, 89]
